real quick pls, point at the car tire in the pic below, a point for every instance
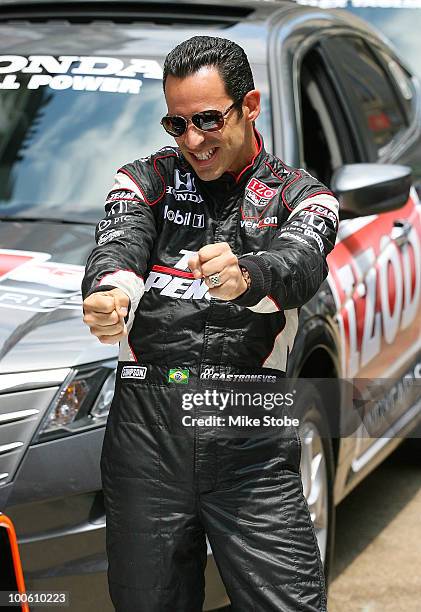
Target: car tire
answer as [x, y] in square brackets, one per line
[317, 468]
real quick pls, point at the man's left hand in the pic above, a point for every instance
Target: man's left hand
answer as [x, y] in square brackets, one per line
[218, 265]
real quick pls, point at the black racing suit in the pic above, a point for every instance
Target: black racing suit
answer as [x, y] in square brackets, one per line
[165, 484]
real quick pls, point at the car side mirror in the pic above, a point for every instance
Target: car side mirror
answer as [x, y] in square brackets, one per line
[370, 189]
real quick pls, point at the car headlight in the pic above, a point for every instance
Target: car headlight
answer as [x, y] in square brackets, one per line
[82, 403]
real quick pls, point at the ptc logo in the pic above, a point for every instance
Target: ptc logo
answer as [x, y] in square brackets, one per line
[178, 376]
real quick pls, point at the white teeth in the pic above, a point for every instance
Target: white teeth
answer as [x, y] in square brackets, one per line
[205, 155]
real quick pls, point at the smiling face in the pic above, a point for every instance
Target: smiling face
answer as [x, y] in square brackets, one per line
[212, 153]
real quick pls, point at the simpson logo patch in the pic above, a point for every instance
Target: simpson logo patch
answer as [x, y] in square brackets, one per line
[258, 193]
[138, 372]
[178, 376]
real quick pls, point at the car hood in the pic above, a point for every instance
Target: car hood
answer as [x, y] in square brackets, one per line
[41, 269]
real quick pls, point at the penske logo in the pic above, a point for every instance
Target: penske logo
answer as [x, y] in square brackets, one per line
[177, 282]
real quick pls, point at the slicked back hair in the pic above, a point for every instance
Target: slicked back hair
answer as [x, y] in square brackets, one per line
[227, 57]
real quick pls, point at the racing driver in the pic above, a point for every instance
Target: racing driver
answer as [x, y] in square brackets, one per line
[206, 253]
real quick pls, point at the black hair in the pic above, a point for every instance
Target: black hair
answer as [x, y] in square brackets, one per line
[228, 57]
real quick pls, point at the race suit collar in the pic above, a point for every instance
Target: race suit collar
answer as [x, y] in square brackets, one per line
[251, 165]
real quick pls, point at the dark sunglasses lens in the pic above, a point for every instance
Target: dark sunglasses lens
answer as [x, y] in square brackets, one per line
[176, 126]
[208, 121]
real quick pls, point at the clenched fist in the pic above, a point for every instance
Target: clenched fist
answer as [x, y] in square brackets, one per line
[104, 314]
[219, 267]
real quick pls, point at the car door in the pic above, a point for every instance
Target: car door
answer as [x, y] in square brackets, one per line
[382, 276]
[352, 113]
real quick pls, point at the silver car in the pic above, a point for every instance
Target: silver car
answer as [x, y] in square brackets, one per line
[81, 94]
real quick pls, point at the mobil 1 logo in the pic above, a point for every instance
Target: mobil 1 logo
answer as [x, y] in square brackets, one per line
[184, 218]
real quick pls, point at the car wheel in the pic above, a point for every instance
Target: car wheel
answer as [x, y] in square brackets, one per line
[317, 471]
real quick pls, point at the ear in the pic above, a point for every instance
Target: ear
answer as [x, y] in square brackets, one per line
[251, 103]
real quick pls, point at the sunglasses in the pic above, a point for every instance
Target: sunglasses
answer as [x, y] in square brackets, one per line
[207, 121]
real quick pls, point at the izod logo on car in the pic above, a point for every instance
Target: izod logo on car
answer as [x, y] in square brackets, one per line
[178, 376]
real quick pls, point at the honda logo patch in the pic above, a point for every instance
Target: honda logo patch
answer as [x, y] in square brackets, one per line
[183, 182]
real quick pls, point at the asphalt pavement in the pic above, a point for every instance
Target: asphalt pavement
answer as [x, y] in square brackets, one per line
[377, 565]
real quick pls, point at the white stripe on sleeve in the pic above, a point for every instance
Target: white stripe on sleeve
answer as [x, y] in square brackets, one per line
[265, 306]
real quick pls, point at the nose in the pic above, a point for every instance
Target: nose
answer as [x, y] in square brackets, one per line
[193, 138]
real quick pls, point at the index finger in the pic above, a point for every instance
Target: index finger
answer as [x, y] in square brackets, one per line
[211, 250]
[194, 265]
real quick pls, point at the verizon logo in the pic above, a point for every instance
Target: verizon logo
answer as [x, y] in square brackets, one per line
[266, 222]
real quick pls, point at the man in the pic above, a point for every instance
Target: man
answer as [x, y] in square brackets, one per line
[213, 247]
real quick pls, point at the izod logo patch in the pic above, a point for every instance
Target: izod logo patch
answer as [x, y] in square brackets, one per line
[258, 193]
[178, 376]
[138, 372]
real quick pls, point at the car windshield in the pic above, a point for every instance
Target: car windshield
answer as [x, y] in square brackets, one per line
[65, 132]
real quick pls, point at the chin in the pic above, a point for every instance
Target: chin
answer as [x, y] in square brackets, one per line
[208, 175]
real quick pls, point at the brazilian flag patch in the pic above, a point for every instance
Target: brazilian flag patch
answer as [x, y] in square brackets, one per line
[178, 376]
